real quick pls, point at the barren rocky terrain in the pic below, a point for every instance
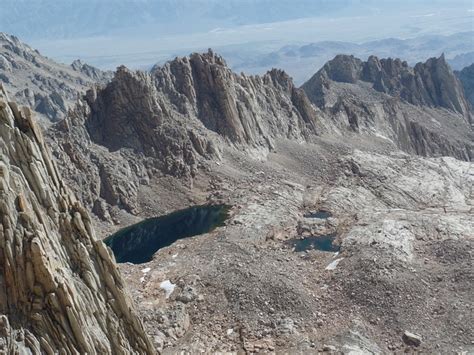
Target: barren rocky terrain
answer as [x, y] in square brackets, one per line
[403, 222]
[404, 226]
[374, 157]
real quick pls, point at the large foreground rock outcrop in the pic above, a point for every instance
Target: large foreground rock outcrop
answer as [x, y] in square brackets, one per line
[60, 290]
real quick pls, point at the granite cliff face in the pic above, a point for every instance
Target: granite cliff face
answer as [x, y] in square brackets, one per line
[47, 87]
[61, 291]
[420, 110]
[203, 92]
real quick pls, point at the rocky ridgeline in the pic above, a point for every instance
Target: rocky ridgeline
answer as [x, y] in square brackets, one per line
[47, 87]
[201, 94]
[253, 110]
[60, 290]
[421, 110]
[173, 120]
[179, 116]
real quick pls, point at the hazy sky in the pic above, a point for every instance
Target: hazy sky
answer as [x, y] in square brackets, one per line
[140, 32]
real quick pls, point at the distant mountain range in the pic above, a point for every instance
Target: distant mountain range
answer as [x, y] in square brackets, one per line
[301, 61]
[48, 87]
[254, 35]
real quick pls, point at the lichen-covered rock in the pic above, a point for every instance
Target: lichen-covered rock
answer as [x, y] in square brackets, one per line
[61, 291]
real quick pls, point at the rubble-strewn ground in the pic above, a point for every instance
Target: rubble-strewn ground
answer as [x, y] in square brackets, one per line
[406, 229]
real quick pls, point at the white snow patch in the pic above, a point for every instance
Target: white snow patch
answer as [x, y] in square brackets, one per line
[382, 136]
[142, 279]
[333, 264]
[174, 256]
[230, 331]
[168, 286]
[146, 270]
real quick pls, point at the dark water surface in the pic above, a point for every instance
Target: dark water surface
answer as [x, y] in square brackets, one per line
[318, 214]
[138, 243]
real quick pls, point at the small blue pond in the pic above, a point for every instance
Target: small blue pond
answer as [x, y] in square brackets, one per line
[322, 242]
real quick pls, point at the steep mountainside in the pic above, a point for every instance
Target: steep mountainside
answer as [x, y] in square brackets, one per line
[181, 117]
[301, 61]
[431, 83]
[421, 110]
[249, 110]
[61, 291]
[466, 77]
[34, 80]
[173, 120]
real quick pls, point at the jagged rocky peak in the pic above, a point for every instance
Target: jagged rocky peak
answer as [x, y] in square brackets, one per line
[278, 77]
[343, 68]
[432, 83]
[173, 120]
[130, 113]
[90, 71]
[200, 94]
[14, 44]
[243, 109]
[47, 87]
[123, 111]
[419, 109]
[60, 290]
